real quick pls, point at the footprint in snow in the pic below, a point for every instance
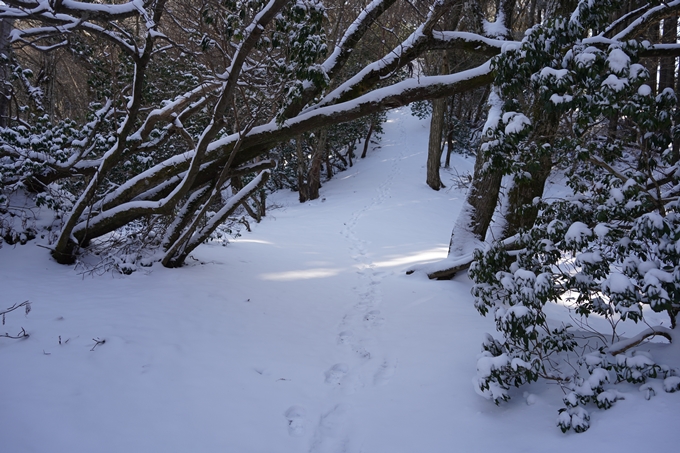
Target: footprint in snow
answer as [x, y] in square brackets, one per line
[385, 372]
[361, 351]
[296, 420]
[336, 373]
[330, 435]
[364, 304]
[347, 320]
[345, 337]
[377, 276]
[356, 252]
[331, 423]
[374, 319]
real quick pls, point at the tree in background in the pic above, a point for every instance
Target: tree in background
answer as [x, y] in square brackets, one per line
[185, 97]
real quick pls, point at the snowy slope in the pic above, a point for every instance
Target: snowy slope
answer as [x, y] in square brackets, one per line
[302, 336]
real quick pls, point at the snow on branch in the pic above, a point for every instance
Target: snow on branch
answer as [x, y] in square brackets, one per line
[471, 42]
[195, 158]
[399, 57]
[498, 28]
[251, 36]
[171, 108]
[82, 10]
[65, 16]
[229, 207]
[650, 15]
[624, 345]
[661, 50]
[397, 95]
[341, 53]
[353, 34]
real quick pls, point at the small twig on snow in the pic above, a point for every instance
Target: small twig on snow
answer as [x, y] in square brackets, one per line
[97, 342]
[25, 303]
[27, 310]
[22, 334]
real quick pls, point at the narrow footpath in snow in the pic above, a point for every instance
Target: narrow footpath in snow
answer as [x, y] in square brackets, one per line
[304, 336]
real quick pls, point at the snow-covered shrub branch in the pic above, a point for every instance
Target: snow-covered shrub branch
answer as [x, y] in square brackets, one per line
[587, 106]
[174, 90]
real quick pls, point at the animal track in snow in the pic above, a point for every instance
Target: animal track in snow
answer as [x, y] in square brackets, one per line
[359, 248]
[330, 435]
[345, 337]
[296, 420]
[331, 422]
[364, 304]
[361, 351]
[373, 318]
[385, 372]
[336, 373]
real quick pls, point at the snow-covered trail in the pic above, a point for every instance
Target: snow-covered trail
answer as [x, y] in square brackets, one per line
[351, 259]
[304, 336]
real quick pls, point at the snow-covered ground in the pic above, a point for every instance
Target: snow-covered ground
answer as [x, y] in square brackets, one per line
[302, 336]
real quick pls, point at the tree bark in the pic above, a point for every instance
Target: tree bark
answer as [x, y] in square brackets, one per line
[176, 255]
[329, 166]
[652, 63]
[367, 142]
[667, 64]
[434, 147]
[521, 211]
[475, 216]
[449, 147]
[48, 75]
[455, 107]
[262, 204]
[5, 87]
[314, 173]
[301, 171]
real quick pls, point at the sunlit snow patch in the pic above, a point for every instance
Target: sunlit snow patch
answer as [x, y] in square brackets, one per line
[305, 274]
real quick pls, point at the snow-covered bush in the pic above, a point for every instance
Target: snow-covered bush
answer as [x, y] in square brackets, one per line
[611, 248]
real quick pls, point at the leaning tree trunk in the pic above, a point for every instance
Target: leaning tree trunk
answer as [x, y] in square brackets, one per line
[473, 220]
[434, 147]
[475, 216]
[482, 196]
[178, 252]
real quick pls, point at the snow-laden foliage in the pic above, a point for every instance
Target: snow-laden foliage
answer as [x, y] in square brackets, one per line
[611, 249]
[197, 96]
[137, 71]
